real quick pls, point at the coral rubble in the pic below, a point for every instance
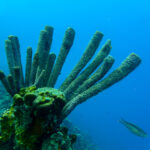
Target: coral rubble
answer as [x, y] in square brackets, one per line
[34, 118]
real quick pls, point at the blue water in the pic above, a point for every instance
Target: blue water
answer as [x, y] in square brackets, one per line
[127, 24]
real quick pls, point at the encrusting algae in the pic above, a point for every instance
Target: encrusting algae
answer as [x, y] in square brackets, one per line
[34, 113]
[34, 119]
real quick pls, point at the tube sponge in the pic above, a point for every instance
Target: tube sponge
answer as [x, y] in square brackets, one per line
[89, 70]
[127, 66]
[28, 66]
[97, 76]
[66, 45]
[89, 52]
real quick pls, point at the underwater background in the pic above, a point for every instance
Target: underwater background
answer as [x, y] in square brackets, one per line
[127, 24]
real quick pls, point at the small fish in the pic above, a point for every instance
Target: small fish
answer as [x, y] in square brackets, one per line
[133, 128]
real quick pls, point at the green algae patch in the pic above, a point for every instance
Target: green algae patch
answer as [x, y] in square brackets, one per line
[7, 125]
[33, 114]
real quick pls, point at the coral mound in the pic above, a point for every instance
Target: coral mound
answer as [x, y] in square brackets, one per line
[34, 113]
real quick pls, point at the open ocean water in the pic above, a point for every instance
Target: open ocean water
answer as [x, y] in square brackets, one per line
[127, 24]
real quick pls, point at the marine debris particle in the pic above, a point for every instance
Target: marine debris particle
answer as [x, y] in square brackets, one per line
[134, 128]
[38, 109]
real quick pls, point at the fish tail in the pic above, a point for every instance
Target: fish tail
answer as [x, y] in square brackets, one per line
[121, 120]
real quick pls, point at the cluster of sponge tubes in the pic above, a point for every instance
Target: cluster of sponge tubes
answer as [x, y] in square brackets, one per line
[43, 71]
